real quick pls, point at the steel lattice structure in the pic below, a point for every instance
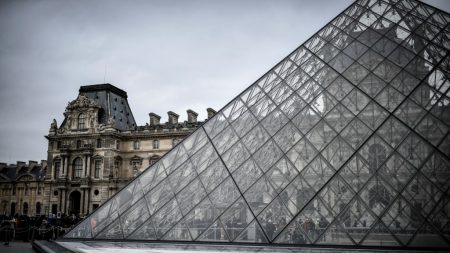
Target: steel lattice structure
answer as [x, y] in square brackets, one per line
[345, 142]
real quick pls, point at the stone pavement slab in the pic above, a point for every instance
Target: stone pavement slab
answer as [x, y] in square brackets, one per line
[17, 247]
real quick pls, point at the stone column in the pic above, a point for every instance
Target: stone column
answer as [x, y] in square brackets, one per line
[82, 202]
[88, 165]
[65, 167]
[83, 173]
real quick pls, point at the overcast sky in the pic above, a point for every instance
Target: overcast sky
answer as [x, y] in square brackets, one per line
[167, 55]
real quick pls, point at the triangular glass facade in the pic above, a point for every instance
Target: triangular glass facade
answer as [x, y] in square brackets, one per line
[344, 142]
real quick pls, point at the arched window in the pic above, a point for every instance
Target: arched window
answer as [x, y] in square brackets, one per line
[77, 168]
[81, 121]
[25, 208]
[38, 208]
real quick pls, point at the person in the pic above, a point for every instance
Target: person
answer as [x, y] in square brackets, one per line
[7, 227]
[323, 224]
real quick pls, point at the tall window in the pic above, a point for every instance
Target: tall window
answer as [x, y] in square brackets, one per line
[77, 168]
[38, 207]
[25, 208]
[155, 144]
[57, 169]
[99, 143]
[81, 121]
[78, 144]
[97, 168]
[117, 144]
[136, 145]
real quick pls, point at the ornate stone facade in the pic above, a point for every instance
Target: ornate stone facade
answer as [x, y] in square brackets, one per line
[98, 148]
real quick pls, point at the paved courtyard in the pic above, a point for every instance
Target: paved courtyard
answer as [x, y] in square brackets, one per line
[17, 247]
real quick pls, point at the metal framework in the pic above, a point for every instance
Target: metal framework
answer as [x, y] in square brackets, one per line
[345, 142]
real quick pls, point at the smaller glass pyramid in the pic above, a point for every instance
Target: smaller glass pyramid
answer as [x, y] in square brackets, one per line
[344, 142]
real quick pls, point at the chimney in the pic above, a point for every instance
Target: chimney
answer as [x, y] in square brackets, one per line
[192, 116]
[154, 119]
[31, 164]
[20, 164]
[173, 117]
[211, 112]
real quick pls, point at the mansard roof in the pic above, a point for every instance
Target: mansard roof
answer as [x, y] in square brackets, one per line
[114, 105]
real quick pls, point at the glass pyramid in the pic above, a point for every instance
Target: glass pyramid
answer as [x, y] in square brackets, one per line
[344, 142]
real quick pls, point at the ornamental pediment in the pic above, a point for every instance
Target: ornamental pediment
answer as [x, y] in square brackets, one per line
[82, 102]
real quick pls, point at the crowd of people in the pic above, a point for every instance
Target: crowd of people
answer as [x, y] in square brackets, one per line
[23, 227]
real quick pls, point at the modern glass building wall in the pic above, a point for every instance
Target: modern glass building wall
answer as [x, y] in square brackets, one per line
[345, 142]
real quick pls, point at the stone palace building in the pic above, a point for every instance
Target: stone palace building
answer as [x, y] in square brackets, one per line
[95, 151]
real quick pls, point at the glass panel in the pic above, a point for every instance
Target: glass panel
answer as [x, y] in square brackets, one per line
[166, 218]
[341, 62]
[301, 154]
[201, 217]
[309, 90]
[414, 149]
[404, 82]
[134, 217]
[389, 98]
[355, 101]
[253, 234]
[225, 140]
[356, 172]
[236, 218]
[263, 107]
[255, 138]
[274, 218]
[437, 170]
[339, 88]
[213, 176]
[224, 195]
[355, 133]
[398, 219]
[204, 158]
[306, 119]
[274, 121]
[259, 195]
[432, 129]
[247, 174]
[182, 176]
[356, 73]
[337, 152]
[325, 76]
[83, 230]
[215, 232]
[287, 137]
[281, 174]
[215, 125]
[321, 135]
[292, 105]
[178, 233]
[235, 156]
[190, 196]
[339, 117]
[373, 115]
[267, 155]
[244, 123]
[280, 93]
[113, 231]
